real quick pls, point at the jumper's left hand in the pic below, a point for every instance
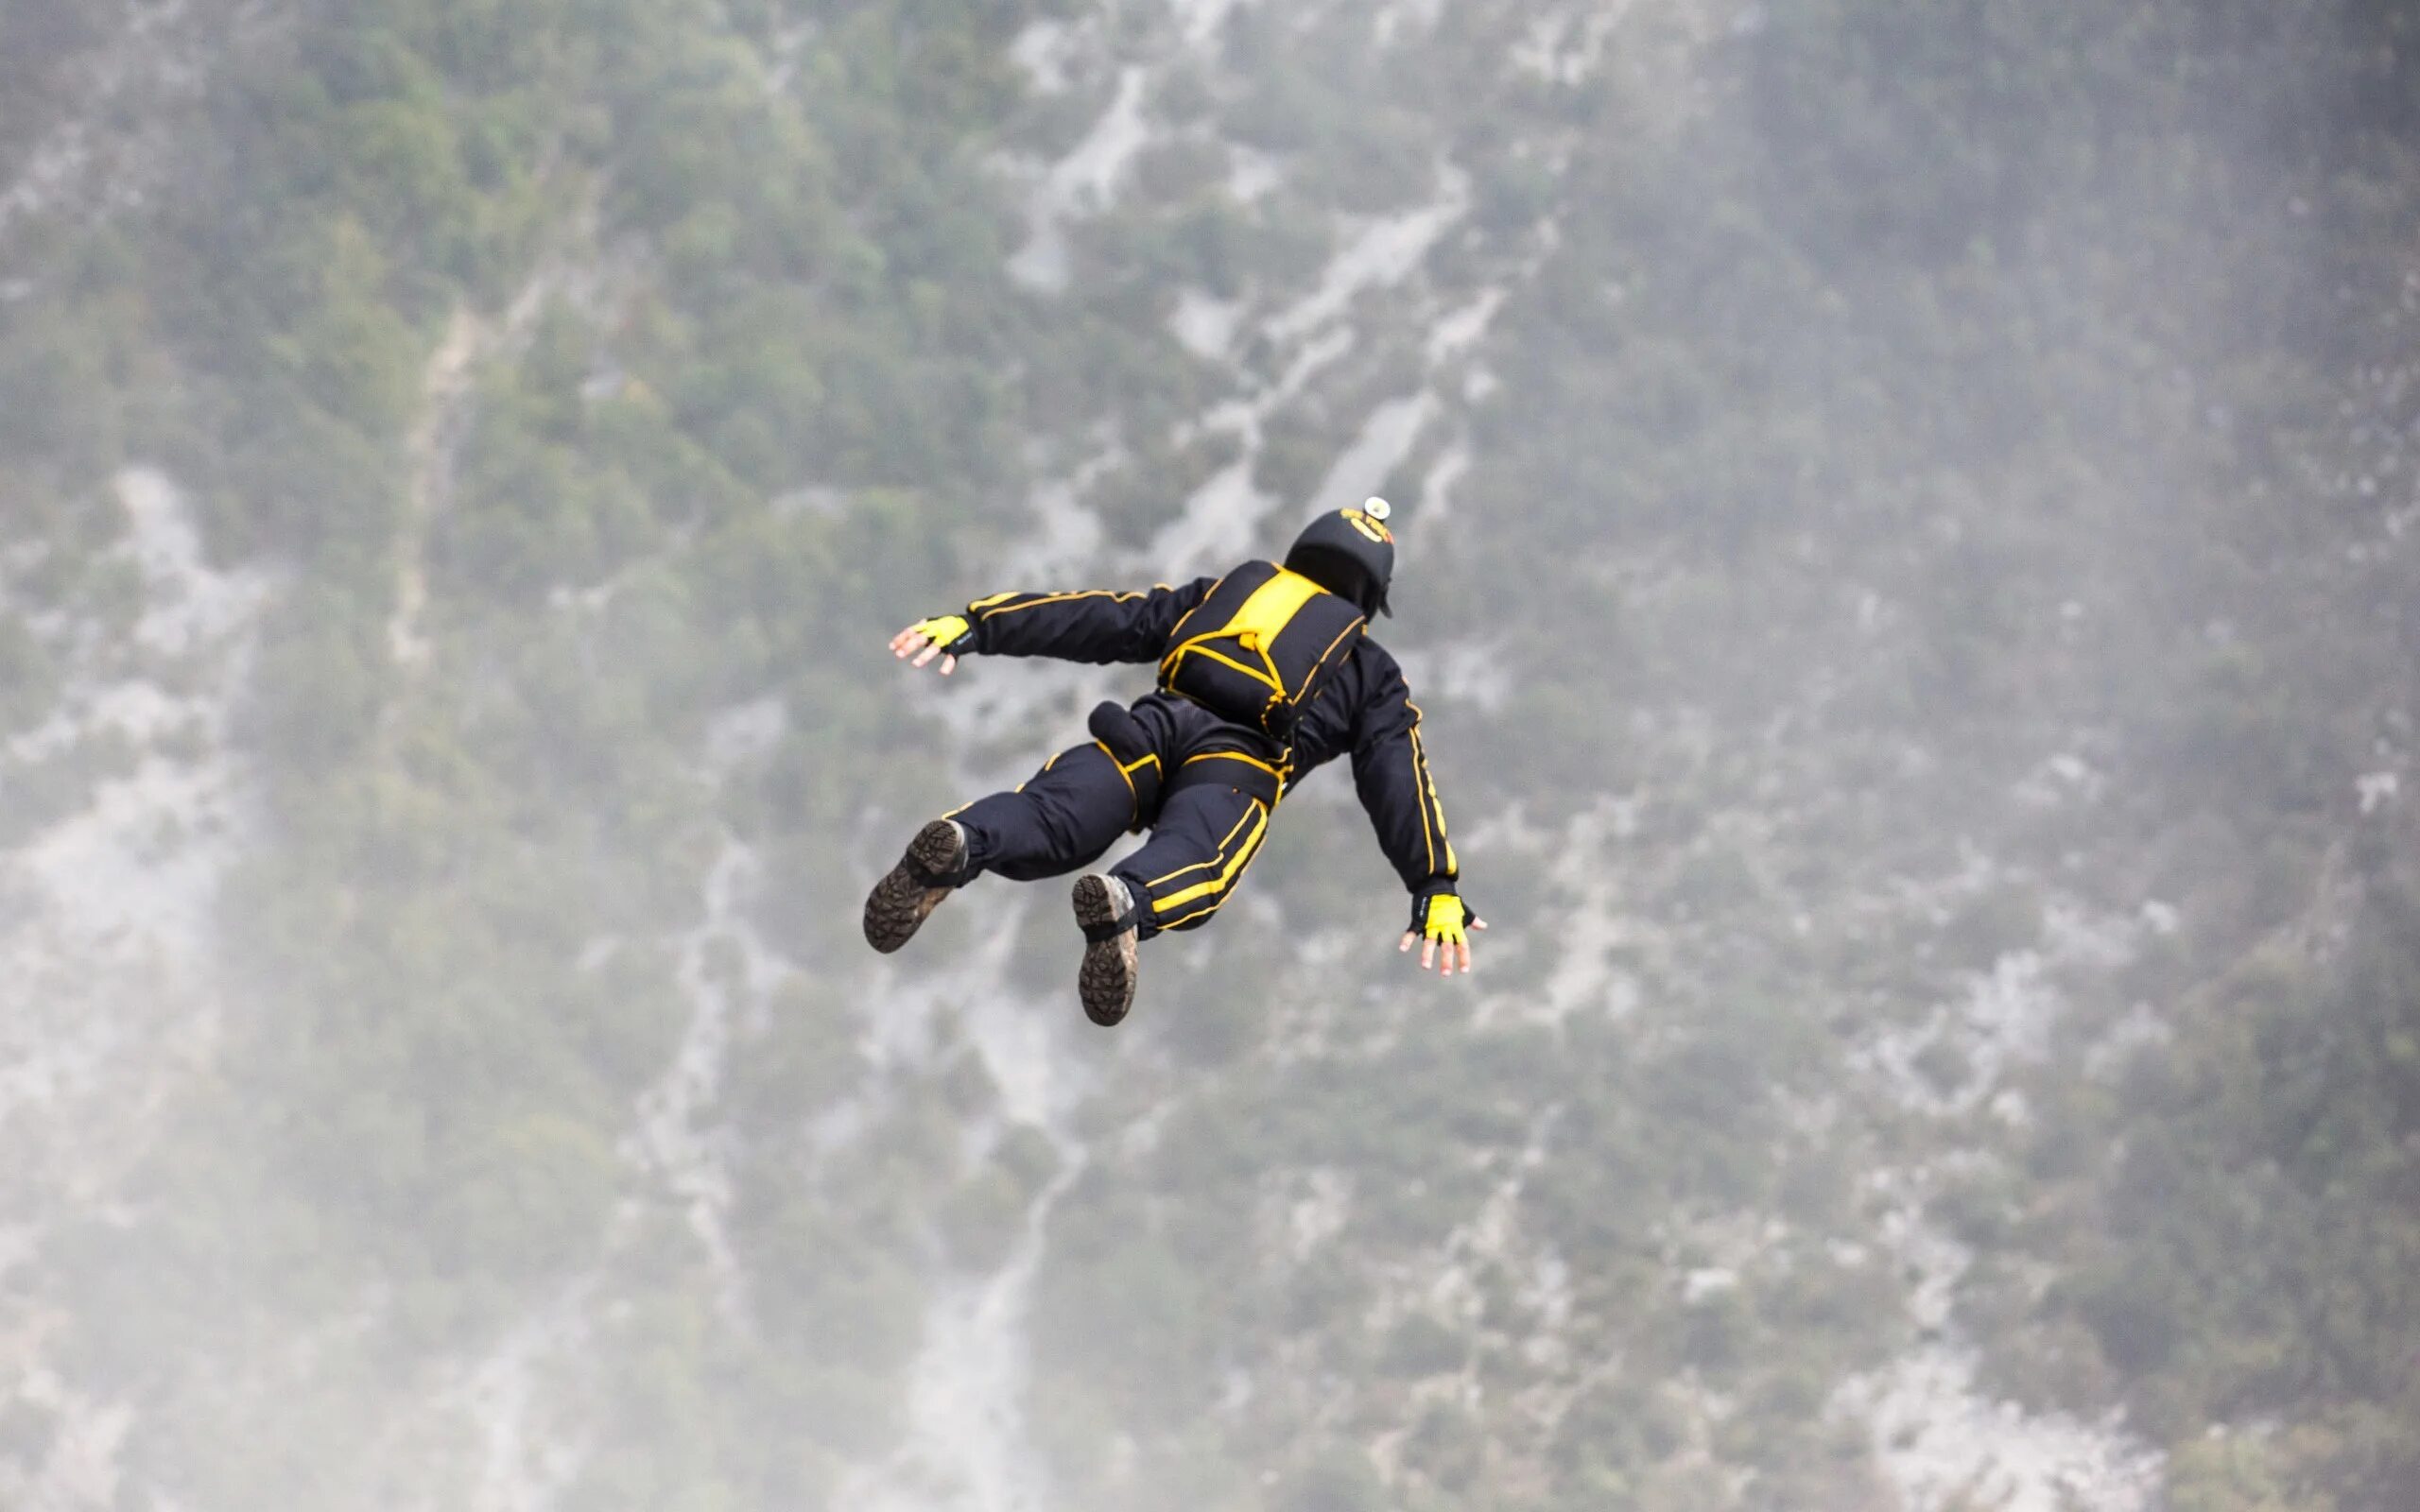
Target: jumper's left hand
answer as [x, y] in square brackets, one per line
[1442, 921]
[928, 639]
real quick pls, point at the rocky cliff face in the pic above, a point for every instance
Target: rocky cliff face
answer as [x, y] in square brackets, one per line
[1913, 634]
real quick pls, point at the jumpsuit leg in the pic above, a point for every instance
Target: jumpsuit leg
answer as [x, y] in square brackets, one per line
[1207, 835]
[1063, 817]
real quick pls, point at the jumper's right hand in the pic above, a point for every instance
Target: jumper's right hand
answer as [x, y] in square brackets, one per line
[1442, 920]
[945, 636]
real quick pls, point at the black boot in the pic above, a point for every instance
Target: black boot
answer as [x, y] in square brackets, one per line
[1107, 913]
[909, 892]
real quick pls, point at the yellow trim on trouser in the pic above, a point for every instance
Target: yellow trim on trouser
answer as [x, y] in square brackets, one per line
[1102, 747]
[1199, 866]
[1226, 883]
[1046, 766]
[1126, 771]
[1019, 788]
[1225, 878]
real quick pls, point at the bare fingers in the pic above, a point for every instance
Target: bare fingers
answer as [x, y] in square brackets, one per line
[1442, 962]
[912, 642]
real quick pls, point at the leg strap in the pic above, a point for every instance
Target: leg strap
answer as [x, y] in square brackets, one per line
[1129, 745]
[1136, 902]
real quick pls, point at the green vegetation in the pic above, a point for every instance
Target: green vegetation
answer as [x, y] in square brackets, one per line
[1902, 400]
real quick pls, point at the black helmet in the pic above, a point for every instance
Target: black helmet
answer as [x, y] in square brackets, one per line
[1350, 553]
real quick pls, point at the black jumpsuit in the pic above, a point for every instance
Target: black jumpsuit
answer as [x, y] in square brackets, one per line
[1219, 782]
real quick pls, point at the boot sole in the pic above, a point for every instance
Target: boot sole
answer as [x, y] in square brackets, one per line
[898, 905]
[1106, 980]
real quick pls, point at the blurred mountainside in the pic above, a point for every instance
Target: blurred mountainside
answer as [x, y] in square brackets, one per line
[1911, 520]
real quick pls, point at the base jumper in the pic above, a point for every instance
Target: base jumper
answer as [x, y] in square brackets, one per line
[1265, 674]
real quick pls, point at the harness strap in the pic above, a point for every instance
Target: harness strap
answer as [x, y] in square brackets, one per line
[1247, 774]
[1130, 748]
[1249, 652]
[1099, 934]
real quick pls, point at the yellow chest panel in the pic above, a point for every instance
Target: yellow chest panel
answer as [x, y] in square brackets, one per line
[1254, 626]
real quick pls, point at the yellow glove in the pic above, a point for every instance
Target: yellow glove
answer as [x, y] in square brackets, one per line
[1442, 919]
[948, 636]
[945, 631]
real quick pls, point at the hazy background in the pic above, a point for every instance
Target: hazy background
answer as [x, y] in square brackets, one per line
[1910, 556]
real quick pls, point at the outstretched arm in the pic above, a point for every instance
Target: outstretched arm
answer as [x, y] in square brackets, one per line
[1097, 624]
[1390, 773]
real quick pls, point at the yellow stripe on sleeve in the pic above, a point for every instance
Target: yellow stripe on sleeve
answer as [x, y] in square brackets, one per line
[986, 609]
